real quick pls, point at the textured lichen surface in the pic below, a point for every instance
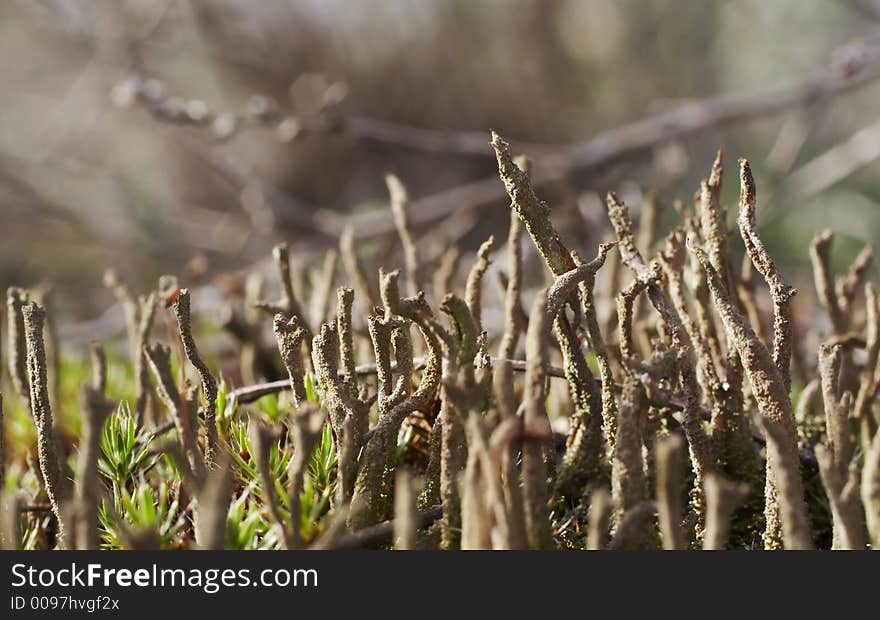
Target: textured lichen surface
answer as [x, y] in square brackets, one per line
[626, 396]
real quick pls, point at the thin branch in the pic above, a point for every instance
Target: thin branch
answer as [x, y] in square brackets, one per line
[250, 393]
[859, 67]
[382, 533]
[608, 147]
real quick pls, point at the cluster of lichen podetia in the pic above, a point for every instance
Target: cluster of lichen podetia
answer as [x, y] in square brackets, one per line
[695, 374]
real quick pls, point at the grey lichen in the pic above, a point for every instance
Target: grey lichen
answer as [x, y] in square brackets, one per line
[290, 333]
[395, 400]
[584, 455]
[771, 393]
[649, 275]
[353, 264]
[722, 498]
[96, 408]
[537, 425]
[870, 490]
[182, 412]
[57, 486]
[473, 292]
[628, 468]
[183, 314]
[139, 315]
[405, 506]
[601, 511]
[289, 304]
[322, 289]
[400, 215]
[669, 453]
[780, 292]
[307, 424]
[16, 299]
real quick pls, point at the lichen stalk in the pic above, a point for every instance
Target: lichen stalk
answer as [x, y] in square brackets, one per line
[96, 408]
[722, 498]
[473, 291]
[771, 393]
[669, 456]
[159, 358]
[537, 425]
[584, 454]
[780, 292]
[400, 214]
[57, 487]
[183, 313]
[290, 333]
[16, 343]
[870, 490]
[599, 519]
[405, 496]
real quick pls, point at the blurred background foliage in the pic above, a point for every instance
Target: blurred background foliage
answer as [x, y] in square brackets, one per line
[86, 183]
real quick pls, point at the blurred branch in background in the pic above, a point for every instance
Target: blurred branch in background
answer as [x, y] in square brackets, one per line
[857, 65]
[853, 65]
[833, 165]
